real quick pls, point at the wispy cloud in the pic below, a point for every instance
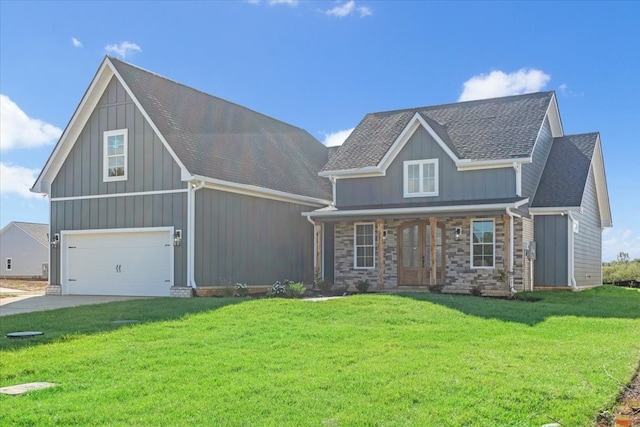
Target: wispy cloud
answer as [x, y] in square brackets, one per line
[18, 130]
[123, 49]
[348, 8]
[499, 83]
[276, 2]
[615, 241]
[17, 180]
[336, 138]
[76, 42]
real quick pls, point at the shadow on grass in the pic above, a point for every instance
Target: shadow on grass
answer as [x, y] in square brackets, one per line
[601, 302]
[65, 324]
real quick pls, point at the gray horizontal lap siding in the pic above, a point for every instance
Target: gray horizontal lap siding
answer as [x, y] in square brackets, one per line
[588, 239]
[27, 254]
[531, 172]
[551, 265]
[453, 184]
[151, 166]
[250, 240]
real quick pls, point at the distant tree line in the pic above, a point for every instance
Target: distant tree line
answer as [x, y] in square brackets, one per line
[622, 271]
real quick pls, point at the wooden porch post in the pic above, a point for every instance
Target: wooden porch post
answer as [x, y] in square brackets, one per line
[433, 262]
[380, 252]
[507, 244]
[318, 254]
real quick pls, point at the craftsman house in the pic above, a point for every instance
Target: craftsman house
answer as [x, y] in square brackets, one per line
[24, 251]
[156, 188]
[485, 197]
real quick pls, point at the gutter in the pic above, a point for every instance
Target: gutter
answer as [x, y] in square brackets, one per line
[191, 231]
[513, 215]
[570, 260]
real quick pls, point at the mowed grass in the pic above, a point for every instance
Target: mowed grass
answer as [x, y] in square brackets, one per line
[419, 359]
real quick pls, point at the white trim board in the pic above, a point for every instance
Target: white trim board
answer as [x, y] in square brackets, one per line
[111, 195]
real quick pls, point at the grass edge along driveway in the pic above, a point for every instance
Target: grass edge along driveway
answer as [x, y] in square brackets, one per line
[413, 359]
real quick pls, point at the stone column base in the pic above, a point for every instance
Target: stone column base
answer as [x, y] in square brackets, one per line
[181, 292]
[53, 290]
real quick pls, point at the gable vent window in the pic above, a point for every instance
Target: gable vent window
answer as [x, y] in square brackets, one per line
[115, 155]
[421, 178]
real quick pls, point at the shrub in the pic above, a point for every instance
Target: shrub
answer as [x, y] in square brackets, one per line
[228, 291]
[295, 290]
[278, 289]
[363, 286]
[324, 286]
[242, 290]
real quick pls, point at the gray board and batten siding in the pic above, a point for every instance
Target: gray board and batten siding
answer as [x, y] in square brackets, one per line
[150, 168]
[551, 266]
[453, 184]
[251, 240]
[588, 239]
[531, 172]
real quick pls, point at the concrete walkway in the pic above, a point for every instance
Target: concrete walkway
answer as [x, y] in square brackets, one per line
[39, 302]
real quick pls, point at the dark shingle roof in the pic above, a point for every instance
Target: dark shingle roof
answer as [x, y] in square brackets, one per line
[488, 129]
[565, 173]
[222, 140]
[40, 232]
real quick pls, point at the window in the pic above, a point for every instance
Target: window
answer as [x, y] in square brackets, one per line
[9, 264]
[364, 243]
[482, 244]
[115, 155]
[421, 178]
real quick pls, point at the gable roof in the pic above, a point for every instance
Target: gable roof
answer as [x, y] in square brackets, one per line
[488, 129]
[565, 174]
[40, 232]
[210, 137]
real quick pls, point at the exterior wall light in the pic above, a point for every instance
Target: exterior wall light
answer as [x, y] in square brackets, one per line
[458, 233]
[55, 240]
[177, 238]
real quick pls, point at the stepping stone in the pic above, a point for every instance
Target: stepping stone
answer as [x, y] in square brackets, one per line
[26, 334]
[23, 388]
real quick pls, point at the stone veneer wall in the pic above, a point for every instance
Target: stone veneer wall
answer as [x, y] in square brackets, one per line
[459, 277]
[53, 290]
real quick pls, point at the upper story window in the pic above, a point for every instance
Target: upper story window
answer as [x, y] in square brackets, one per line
[115, 155]
[483, 243]
[421, 178]
[364, 243]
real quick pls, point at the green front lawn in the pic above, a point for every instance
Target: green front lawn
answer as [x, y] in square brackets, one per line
[419, 359]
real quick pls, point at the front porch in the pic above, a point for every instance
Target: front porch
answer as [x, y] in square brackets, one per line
[433, 253]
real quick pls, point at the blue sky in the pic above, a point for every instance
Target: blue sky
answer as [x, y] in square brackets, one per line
[322, 65]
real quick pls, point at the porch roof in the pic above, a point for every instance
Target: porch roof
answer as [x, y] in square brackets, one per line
[451, 208]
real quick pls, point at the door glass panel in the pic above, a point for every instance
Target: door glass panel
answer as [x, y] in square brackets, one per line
[410, 253]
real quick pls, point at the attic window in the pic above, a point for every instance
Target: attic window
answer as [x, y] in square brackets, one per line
[115, 155]
[421, 178]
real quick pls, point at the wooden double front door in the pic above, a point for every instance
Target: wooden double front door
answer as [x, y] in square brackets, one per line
[414, 257]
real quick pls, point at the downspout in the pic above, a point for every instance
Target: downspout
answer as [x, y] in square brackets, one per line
[572, 275]
[333, 189]
[513, 215]
[191, 232]
[315, 243]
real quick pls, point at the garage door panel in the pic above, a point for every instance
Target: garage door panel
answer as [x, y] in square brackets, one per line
[121, 263]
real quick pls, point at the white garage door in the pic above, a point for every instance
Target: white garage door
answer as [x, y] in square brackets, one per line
[136, 263]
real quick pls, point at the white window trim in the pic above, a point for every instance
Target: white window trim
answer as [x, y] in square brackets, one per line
[105, 163]
[405, 179]
[492, 267]
[8, 264]
[355, 245]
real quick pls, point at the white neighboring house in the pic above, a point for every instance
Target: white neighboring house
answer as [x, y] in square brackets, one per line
[24, 251]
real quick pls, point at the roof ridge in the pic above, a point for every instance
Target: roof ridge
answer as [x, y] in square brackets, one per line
[111, 58]
[449, 104]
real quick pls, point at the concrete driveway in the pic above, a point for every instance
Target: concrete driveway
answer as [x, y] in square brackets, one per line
[29, 303]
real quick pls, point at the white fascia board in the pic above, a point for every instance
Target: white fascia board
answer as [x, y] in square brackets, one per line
[553, 113]
[468, 165]
[183, 169]
[416, 210]
[353, 173]
[602, 192]
[554, 210]
[74, 128]
[255, 191]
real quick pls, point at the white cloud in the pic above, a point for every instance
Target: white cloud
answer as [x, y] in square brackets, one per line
[17, 130]
[336, 138]
[276, 2]
[123, 49]
[498, 83]
[347, 9]
[616, 241]
[76, 42]
[17, 180]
